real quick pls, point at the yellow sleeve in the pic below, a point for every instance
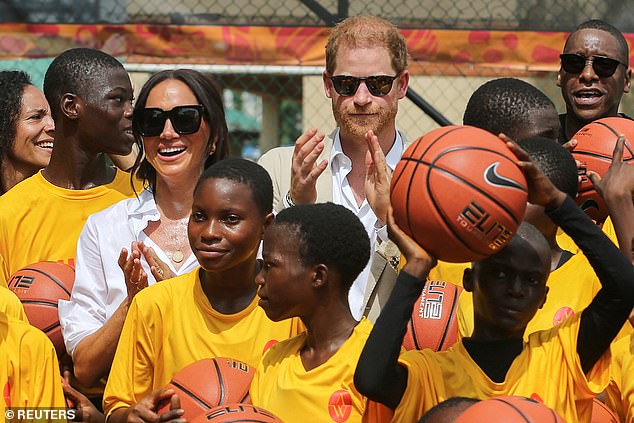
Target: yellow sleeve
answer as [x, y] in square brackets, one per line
[11, 306]
[37, 382]
[131, 374]
[608, 229]
[425, 386]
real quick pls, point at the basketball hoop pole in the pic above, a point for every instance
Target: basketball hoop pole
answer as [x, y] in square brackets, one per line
[427, 108]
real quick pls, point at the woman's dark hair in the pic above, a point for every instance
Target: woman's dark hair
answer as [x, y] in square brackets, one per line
[207, 93]
[12, 84]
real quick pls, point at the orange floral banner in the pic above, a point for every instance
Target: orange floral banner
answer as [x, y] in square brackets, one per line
[430, 50]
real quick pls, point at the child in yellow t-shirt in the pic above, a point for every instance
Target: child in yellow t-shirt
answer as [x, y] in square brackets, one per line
[565, 367]
[210, 312]
[90, 95]
[312, 254]
[572, 284]
[29, 371]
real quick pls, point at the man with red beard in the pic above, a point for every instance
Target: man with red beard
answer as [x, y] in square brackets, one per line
[593, 76]
[365, 77]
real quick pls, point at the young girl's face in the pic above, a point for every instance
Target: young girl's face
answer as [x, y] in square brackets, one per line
[225, 227]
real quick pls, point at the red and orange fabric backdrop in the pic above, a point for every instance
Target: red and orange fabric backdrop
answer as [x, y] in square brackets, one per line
[463, 51]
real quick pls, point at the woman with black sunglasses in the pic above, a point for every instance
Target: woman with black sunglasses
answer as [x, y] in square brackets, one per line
[180, 129]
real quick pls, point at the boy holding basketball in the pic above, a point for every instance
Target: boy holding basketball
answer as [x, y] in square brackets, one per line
[572, 283]
[210, 312]
[565, 366]
[312, 254]
[90, 96]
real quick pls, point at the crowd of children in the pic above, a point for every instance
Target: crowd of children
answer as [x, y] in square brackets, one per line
[184, 257]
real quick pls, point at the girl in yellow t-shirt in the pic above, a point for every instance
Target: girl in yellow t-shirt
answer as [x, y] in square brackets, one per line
[210, 312]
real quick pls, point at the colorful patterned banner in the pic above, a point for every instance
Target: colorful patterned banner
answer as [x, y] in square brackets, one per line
[461, 51]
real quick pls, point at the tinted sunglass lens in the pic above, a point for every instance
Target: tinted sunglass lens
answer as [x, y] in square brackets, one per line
[152, 122]
[345, 85]
[186, 120]
[379, 86]
[604, 66]
[573, 63]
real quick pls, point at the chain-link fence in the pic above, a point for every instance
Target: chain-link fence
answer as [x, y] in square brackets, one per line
[269, 103]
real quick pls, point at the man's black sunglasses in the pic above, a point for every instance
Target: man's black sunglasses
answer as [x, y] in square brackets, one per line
[150, 121]
[603, 66]
[378, 85]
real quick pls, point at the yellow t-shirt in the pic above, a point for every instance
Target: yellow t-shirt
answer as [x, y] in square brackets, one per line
[448, 272]
[325, 393]
[452, 272]
[608, 229]
[566, 243]
[571, 289]
[548, 369]
[29, 371]
[40, 221]
[620, 391]
[11, 306]
[170, 325]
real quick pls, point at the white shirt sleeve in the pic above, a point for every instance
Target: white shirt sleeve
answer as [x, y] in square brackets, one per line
[85, 313]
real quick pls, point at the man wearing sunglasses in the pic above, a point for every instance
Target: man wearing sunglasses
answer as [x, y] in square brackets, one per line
[365, 77]
[593, 76]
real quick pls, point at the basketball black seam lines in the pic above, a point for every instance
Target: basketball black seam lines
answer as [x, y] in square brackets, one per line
[414, 338]
[221, 383]
[615, 132]
[244, 398]
[40, 302]
[598, 156]
[409, 186]
[451, 316]
[433, 199]
[466, 182]
[51, 278]
[193, 395]
[524, 416]
[446, 221]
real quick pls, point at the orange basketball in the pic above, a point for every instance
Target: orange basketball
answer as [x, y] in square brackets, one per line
[509, 410]
[434, 322]
[459, 193]
[595, 146]
[211, 382]
[238, 413]
[39, 286]
[602, 414]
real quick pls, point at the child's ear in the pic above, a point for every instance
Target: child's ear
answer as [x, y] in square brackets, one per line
[320, 276]
[546, 288]
[71, 106]
[468, 279]
[267, 221]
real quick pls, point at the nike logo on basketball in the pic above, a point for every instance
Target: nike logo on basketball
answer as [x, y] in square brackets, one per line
[492, 177]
